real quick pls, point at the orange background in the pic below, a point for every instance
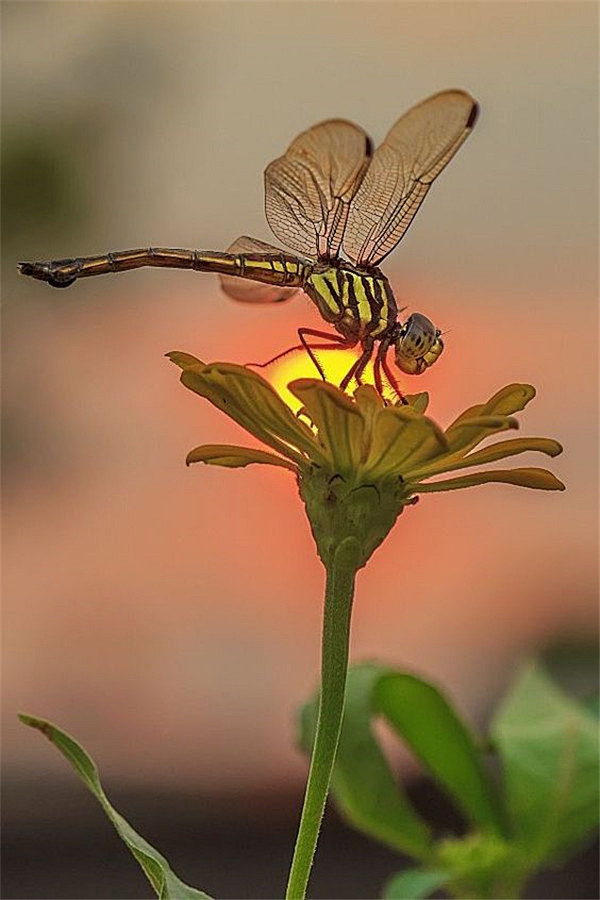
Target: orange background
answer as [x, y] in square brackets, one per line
[170, 617]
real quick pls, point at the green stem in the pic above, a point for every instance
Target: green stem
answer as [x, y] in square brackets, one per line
[339, 594]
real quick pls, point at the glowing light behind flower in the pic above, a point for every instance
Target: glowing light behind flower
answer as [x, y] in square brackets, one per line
[335, 363]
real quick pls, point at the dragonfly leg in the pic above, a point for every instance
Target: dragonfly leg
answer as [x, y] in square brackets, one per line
[302, 346]
[335, 339]
[273, 359]
[358, 367]
[381, 363]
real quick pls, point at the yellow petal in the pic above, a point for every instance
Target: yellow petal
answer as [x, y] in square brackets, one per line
[401, 437]
[339, 422]
[497, 451]
[252, 403]
[468, 433]
[183, 360]
[367, 399]
[539, 479]
[418, 402]
[233, 457]
[505, 402]
[510, 399]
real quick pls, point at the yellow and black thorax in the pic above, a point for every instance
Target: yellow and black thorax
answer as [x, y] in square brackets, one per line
[359, 304]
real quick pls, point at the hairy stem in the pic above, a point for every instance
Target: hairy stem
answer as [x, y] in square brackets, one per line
[339, 594]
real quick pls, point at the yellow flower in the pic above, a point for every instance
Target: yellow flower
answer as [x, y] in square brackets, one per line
[362, 462]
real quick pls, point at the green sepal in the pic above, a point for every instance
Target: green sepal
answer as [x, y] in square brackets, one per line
[548, 745]
[338, 508]
[481, 866]
[422, 716]
[155, 867]
[365, 791]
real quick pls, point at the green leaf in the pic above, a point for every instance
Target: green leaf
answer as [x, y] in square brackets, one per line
[422, 716]
[414, 884]
[363, 786]
[548, 744]
[156, 868]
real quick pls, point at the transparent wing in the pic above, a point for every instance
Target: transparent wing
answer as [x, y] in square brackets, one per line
[247, 291]
[308, 190]
[416, 149]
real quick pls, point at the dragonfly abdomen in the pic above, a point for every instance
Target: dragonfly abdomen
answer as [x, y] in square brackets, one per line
[359, 304]
[276, 268]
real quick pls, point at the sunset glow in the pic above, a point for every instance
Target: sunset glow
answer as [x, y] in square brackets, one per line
[335, 363]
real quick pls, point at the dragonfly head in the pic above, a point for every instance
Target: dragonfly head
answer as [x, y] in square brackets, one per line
[418, 344]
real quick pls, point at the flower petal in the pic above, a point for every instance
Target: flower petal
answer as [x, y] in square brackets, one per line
[367, 399]
[470, 432]
[470, 428]
[233, 457]
[251, 401]
[500, 450]
[505, 402]
[401, 437]
[418, 402]
[539, 479]
[339, 423]
[183, 360]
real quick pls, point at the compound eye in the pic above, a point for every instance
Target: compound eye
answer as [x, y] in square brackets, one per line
[416, 337]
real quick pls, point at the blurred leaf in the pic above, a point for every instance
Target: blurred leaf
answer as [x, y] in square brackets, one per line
[363, 786]
[41, 183]
[414, 884]
[549, 749]
[592, 704]
[574, 667]
[156, 868]
[425, 720]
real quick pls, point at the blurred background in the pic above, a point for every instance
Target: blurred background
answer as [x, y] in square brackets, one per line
[170, 617]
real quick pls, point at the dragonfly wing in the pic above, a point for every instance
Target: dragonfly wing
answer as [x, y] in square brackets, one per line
[247, 291]
[309, 189]
[414, 152]
[253, 292]
[245, 244]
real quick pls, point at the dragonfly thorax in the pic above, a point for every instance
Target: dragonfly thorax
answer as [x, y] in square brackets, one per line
[359, 303]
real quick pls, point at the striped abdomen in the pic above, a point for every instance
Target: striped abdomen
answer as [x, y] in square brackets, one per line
[277, 268]
[357, 303]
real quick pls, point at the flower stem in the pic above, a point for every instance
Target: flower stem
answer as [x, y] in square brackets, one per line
[339, 593]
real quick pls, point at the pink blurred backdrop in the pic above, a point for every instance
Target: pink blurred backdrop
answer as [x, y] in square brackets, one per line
[170, 617]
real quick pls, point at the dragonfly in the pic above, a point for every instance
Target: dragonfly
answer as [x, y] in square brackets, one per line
[342, 207]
